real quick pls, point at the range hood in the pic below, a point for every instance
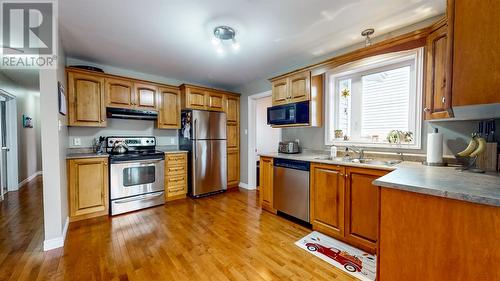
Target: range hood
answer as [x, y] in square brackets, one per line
[124, 113]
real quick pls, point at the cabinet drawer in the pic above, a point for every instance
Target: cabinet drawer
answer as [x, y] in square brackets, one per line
[176, 180]
[176, 159]
[175, 170]
[178, 190]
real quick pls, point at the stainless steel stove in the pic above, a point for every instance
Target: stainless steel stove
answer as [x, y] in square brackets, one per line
[136, 174]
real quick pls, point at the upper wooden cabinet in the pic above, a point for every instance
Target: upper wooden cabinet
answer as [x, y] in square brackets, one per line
[215, 101]
[86, 101]
[169, 111]
[119, 93]
[293, 88]
[193, 97]
[88, 188]
[232, 109]
[145, 96]
[437, 94]
[476, 55]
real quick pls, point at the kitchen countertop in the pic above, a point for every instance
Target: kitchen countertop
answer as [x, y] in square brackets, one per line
[444, 182]
[170, 149]
[86, 155]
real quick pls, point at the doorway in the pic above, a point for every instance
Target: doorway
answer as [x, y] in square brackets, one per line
[8, 143]
[262, 138]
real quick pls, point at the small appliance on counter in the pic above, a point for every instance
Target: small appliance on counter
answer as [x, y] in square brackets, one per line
[136, 173]
[289, 147]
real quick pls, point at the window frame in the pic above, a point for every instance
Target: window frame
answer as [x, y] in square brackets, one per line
[367, 66]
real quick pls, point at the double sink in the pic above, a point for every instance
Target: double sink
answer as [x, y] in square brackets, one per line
[368, 161]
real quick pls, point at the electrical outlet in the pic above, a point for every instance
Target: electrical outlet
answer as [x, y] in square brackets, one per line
[77, 141]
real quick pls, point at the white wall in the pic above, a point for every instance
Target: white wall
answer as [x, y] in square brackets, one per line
[29, 139]
[54, 147]
[267, 137]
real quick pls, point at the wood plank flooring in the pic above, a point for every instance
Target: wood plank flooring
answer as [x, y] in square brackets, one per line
[223, 237]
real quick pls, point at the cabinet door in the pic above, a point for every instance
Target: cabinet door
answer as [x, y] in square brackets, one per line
[215, 101]
[169, 115]
[476, 59]
[300, 86]
[145, 96]
[86, 105]
[437, 101]
[233, 167]
[232, 109]
[175, 176]
[232, 136]
[195, 98]
[362, 208]
[327, 199]
[280, 91]
[88, 187]
[119, 93]
[266, 183]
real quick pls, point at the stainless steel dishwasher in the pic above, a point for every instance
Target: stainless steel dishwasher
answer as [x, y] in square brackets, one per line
[291, 188]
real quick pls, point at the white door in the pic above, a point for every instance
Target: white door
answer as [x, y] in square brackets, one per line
[267, 138]
[3, 147]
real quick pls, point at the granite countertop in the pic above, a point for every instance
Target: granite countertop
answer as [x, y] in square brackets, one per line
[170, 149]
[86, 155]
[444, 182]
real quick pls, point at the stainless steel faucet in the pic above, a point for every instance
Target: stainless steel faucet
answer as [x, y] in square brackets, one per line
[360, 151]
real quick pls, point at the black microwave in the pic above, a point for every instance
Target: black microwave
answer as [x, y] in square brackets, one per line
[289, 114]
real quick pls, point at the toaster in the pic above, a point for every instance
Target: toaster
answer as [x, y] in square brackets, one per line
[289, 147]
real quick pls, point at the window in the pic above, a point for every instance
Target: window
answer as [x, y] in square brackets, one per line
[368, 99]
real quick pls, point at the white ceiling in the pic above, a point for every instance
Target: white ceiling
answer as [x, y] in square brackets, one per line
[172, 37]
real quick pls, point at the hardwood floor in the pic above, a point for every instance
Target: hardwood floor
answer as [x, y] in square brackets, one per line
[223, 237]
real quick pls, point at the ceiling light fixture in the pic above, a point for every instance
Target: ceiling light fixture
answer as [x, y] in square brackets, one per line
[366, 33]
[222, 36]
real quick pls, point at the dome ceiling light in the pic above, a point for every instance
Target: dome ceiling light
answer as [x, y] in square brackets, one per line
[224, 35]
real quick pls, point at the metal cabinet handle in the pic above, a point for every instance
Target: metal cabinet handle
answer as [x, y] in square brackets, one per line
[427, 109]
[443, 99]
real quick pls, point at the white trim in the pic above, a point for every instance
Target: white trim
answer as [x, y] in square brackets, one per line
[30, 178]
[11, 114]
[370, 63]
[246, 186]
[57, 242]
[251, 137]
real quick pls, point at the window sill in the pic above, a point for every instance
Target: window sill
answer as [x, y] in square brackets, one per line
[413, 146]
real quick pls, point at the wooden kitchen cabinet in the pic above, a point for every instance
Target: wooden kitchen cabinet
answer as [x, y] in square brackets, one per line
[193, 97]
[86, 101]
[232, 136]
[476, 59]
[232, 109]
[266, 183]
[215, 101]
[233, 168]
[437, 95]
[327, 193]
[300, 86]
[362, 208]
[280, 91]
[145, 96]
[119, 93]
[88, 188]
[169, 110]
[176, 178]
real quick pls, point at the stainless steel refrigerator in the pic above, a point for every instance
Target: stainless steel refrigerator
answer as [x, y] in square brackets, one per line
[203, 134]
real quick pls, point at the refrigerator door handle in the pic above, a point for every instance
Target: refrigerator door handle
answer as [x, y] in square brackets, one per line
[195, 133]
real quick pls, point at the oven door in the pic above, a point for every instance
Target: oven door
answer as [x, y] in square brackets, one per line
[129, 178]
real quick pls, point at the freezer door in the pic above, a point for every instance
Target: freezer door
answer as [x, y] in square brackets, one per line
[209, 125]
[209, 167]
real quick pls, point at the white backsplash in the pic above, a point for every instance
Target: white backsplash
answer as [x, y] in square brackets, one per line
[122, 127]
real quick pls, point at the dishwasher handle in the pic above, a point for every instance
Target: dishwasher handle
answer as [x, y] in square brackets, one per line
[292, 164]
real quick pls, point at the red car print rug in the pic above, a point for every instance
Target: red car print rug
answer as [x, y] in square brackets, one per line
[351, 260]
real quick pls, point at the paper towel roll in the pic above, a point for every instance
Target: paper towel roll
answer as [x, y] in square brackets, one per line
[435, 147]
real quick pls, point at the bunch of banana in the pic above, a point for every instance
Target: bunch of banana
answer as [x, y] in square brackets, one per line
[476, 146]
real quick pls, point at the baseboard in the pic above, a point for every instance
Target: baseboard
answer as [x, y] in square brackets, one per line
[30, 178]
[246, 186]
[57, 242]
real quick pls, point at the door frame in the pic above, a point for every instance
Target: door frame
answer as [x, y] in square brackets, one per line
[252, 132]
[12, 168]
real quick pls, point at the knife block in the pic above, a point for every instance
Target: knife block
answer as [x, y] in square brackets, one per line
[488, 159]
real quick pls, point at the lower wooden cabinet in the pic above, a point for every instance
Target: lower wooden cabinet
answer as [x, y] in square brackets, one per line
[266, 183]
[176, 177]
[233, 168]
[345, 204]
[88, 188]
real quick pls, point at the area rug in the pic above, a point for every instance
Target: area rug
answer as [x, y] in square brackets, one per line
[345, 257]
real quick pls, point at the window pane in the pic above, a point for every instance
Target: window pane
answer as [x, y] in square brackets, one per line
[344, 115]
[385, 106]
